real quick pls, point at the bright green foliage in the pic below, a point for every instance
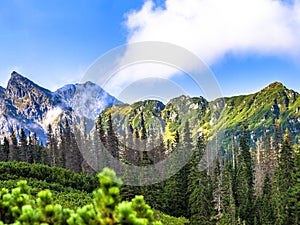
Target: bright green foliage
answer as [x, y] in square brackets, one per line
[63, 177]
[18, 207]
[169, 220]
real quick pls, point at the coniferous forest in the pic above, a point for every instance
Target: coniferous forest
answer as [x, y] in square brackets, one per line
[247, 183]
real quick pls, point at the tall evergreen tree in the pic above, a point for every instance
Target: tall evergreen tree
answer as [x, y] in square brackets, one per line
[176, 196]
[266, 213]
[227, 197]
[5, 150]
[62, 147]
[30, 150]
[217, 190]
[71, 155]
[112, 140]
[36, 151]
[23, 146]
[199, 193]
[244, 181]
[13, 147]
[282, 182]
[294, 193]
[51, 147]
[276, 142]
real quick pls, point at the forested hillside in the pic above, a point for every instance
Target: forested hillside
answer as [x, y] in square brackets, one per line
[252, 174]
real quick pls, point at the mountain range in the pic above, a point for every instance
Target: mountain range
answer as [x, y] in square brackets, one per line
[222, 118]
[25, 104]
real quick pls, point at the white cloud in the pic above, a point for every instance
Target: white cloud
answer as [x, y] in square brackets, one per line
[212, 28]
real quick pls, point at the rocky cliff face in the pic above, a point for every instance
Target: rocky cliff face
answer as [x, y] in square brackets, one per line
[25, 104]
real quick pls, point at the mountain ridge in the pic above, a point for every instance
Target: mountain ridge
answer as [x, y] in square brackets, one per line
[25, 104]
[259, 111]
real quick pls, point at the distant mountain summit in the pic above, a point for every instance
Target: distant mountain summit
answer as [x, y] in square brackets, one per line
[25, 104]
[87, 99]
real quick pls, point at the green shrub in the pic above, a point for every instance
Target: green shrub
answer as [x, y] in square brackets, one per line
[18, 206]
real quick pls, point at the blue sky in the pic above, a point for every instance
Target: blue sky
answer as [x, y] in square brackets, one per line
[54, 42]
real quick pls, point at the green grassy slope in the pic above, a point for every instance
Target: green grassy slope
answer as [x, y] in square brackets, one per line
[258, 110]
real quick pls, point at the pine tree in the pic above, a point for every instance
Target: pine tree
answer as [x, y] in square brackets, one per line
[2, 157]
[13, 147]
[217, 190]
[267, 216]
[294, 193]
[199, 193]
[144, 152]
[76, 155]
[137, 146]
[112, 140]
[36, 153]
[283, 181]
[276, 142]
[5, 149]
[286, 162]
[62, 147]
[30, 149]
[23, 146]
[244, 181]
[71, 155]
[175, 189]
[51, 143]
[100, 129]
[227, 197]
[131, 151]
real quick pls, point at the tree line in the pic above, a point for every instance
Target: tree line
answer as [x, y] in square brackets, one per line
[243, 185]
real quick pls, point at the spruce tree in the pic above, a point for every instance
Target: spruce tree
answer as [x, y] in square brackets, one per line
[199, 193]
[294, 193]
[5, 149]
[71, 154]
[23, 146]
[36, 152]
[217, 190]
[30, 149]
[175, 194]
[244, 181]
[112, 140]
[50, 154]
[62, 147]
[13, 147]
[267, 216]
[227, 197]
[2, 157]
[282, 182]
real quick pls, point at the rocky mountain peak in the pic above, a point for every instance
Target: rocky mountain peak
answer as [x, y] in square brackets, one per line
[19, 86]
[275, 86]
[30, 100]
